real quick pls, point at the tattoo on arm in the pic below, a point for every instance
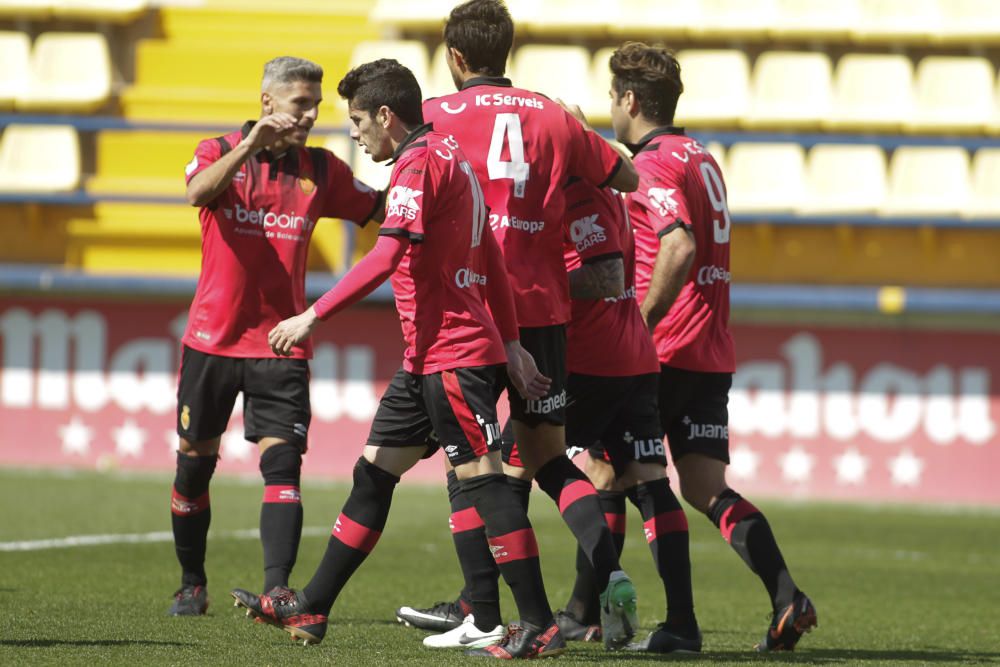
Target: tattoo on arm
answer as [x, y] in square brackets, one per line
[600, 280]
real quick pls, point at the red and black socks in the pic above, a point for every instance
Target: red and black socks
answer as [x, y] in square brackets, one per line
[583, 605]
[481, 574]
[191, 515]
[280, 512]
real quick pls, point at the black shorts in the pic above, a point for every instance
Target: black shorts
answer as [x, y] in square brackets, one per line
[694, 411]
[453, 410]
[615, 419]
[275, 397]
[548, 346]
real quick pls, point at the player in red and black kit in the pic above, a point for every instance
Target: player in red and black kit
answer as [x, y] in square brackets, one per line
[523, 147]
[682, 231]
[445, 266]
[260, 191]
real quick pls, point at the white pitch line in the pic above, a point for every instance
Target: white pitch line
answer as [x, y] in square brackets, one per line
[74, 541]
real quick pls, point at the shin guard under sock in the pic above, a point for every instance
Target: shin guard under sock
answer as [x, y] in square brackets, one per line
[478, 567]
[280, 512]
[191, 515]
[584, 603]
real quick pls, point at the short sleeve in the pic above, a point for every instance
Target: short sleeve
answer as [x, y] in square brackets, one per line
[345, 196]
[593, 218]
[661, 194]
[408, 200]
[207, 152]
[592, 158]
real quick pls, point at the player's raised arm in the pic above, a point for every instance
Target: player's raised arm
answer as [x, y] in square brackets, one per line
[623, 176]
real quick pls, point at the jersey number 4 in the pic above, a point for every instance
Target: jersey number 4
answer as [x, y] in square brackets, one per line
[507, 129]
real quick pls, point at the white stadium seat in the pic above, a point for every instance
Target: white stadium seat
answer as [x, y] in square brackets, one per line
[534, 66]
[39, 159]
[927, 182]
[985, 200]
[68, 72]
[844, 179]
[790, 90]
[765, 177]
[953, 94]
[872, 92]
[716, 87]
[15, 53]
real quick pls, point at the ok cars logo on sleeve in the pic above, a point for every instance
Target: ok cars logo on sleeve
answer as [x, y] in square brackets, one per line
[586, 233]
[663, 200]
[403, 202]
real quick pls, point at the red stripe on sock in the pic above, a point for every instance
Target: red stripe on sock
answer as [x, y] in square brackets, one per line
[733, 515]
[573, 492]
[669, 522]
[518, 545]
[184, 506]
[354, 535]
[282, 494]
[616, 522]
[463, 412]
[463, 520]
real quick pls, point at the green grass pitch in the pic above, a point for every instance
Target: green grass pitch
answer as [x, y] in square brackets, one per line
[893, 585]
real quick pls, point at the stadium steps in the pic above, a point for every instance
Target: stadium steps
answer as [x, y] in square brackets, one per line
[142, 161]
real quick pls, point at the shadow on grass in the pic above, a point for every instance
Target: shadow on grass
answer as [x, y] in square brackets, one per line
[48, 643]
[812, 656]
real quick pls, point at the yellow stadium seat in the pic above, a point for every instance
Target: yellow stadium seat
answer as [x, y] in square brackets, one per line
[927, 182]
[790, 89]
[872, 92]
[716, 87]
[117, 11]
[736, 18]
[985, 201]
[897, 20]
[423, 15]
[26, 9]
[15, 49]
[534, 66]
[815, 19]
[598, 105]
[844, 179]
[954, 94]
[657, 17]
[143, 161]
[69, 72]
[39, 158]
[571, 16]
[765, 177]
[969, 22]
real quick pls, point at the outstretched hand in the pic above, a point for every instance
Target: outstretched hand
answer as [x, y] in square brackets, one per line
[271, 128]
[524, 373]
[289, 333]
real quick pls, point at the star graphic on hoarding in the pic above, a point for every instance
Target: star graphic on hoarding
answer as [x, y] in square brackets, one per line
[130, 440]
[235, 446]
[906, 469]
[76, 437]
[796, 465]
[743, 462]
[851, 467]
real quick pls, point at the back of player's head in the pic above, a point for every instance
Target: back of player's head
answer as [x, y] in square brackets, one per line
[653, 75]
[289, 69]
[380, 83]
[483, 32]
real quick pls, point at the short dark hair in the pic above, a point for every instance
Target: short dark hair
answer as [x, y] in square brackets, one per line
[653, 75]
[384, 82]
[483, 32]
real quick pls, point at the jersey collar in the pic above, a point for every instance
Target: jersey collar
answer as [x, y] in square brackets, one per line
[487, 81]
[410, 141]
[643, 144]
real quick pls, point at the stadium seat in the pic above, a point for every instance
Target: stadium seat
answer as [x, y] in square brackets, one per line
[716, 87]
[953, 94]
[765, 177]
[411, 53]
[844, 179]
[424, 15]
[790, 90]
[341, 145]
[15, 49]
[662, 18]
[598, 104]
[68, 72]
[143, 162]
[375, 174]
[829, 20]
[116, 11]
[927, 182]
[728, 19]
[26, 9]
[985, 201]
[280, 27]
[39, 158]
[897, 20]
[439, 81]
[872, 92]
[969, 22]
[571, 16]
[535, 64]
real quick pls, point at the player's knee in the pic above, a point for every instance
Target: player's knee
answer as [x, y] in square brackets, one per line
[194, 474]
[696, 496]
[601, 474]
[642, 473]
[281, 464]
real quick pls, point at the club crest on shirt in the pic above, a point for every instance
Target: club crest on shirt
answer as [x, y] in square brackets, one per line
[186, 417]
[306, 182]
[402, 201]
[663, 200]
